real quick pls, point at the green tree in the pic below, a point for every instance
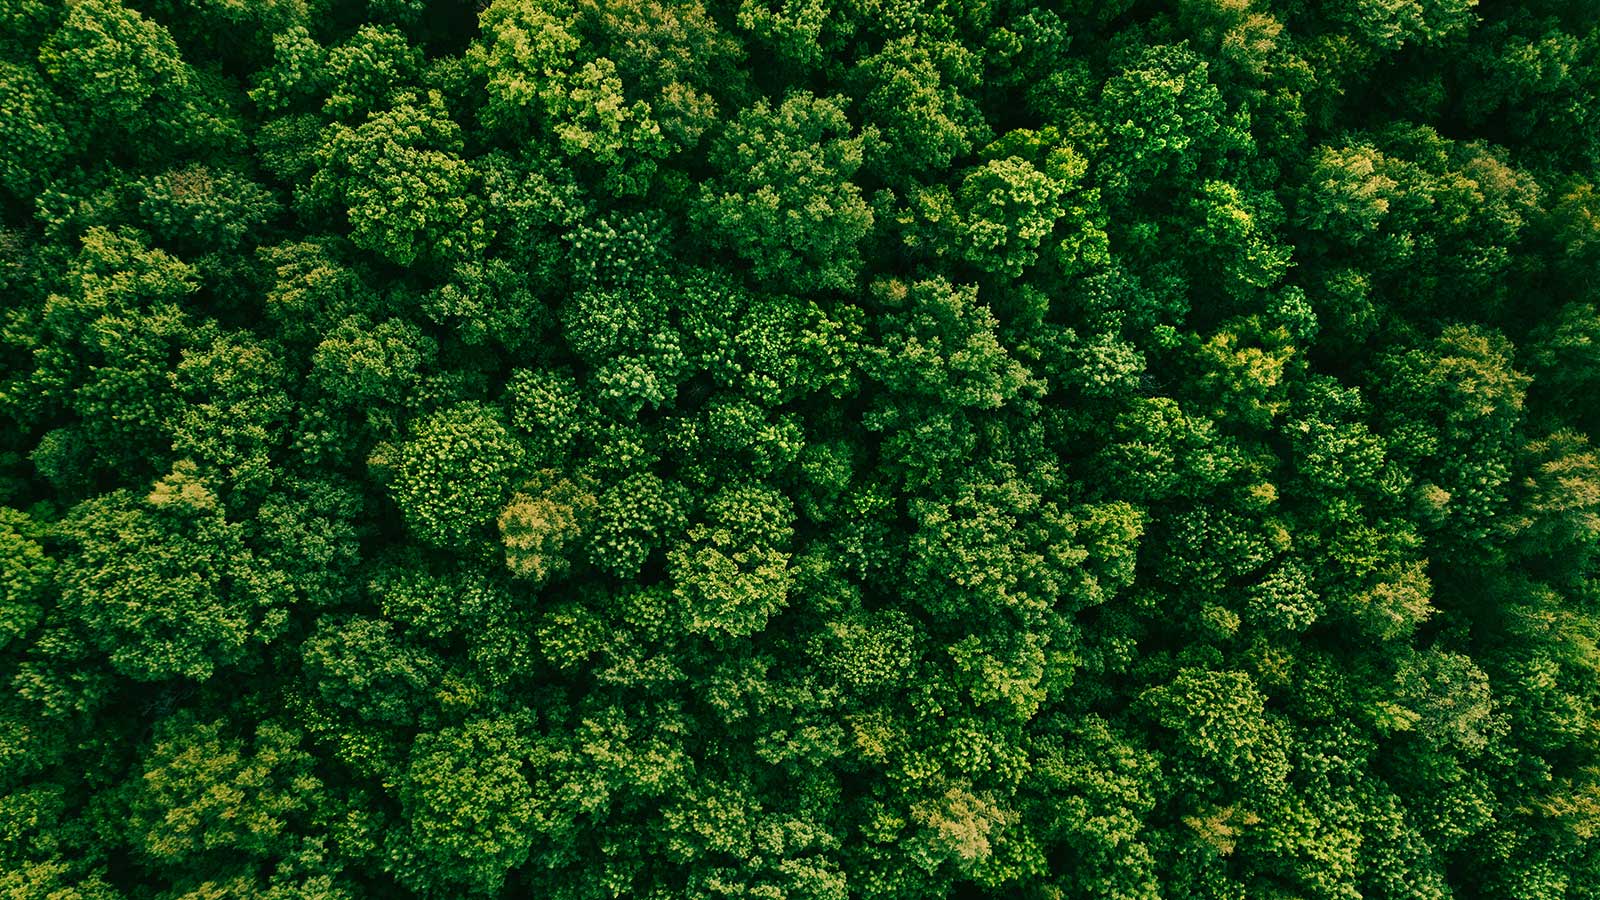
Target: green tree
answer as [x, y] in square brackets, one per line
[543, 79]
[1434, 218]
[234, 417]
[196, 207]
[676, 57]
[1459, 402]
[467, 807]
[32, 134]
[310, 288]
[206, 790]
[26, 577]
[783, 200]
[165, 586]
[454, 474]
[626, 335]
[546, 408]
[1389, 25]
[541, 526]
[1559, 494]
[1100, 789]
[368, 71]
[1007, 208]
[402, 183]
[362, 364]
[297, 75]
[116, 66]
[939, 341]
[915, 96]
[363, 666]
[115, 329]
[489, 302]
[632, 519]
[732, 573]
[1161, 111]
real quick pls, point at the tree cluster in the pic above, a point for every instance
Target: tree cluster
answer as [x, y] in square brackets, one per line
[799, 449]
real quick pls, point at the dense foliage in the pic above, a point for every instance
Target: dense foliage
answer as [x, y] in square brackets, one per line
[799, 449]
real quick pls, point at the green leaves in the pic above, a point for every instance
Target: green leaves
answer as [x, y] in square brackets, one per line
[542, 79]
[454, 474]
[912, 94]
[1389, 25]
[114, 62]
[400, 180]
[1445, 698]
[633, 518]
[467, 808]
[1214, 717]
[528, 48]
[539, 529]
[360, 363]
[363, 666]
[939, 341]
[790, 450]
[1159, 109]
[25, 575]
[31, 135]
[732, 574]
[369, 70]
[196, 207]
[784, 201]
[625, 334]
[166, 591]
[1434, 216]
[1008, 208]
[1096, 790]
[205, 790]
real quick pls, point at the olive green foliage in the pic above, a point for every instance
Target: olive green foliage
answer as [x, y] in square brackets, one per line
[799, 450]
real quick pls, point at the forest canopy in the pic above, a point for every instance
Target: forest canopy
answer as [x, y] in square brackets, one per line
[799, 449]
